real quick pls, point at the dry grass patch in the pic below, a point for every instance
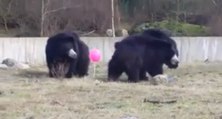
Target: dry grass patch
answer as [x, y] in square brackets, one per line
[28, 95]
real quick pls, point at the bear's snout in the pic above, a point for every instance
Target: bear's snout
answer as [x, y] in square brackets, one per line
[72, 54]
[174, 60]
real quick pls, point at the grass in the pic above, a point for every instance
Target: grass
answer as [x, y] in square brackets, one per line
[32, 95]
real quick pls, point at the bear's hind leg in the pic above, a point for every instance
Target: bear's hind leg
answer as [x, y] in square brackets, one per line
[50, 74]
[49, 65]
[51, 70]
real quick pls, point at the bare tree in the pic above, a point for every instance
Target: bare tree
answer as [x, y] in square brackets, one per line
[44, 17]
[45, 11]
[113, 24]
[5, 8]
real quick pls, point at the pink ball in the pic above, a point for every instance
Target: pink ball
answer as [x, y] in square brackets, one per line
[95, 55]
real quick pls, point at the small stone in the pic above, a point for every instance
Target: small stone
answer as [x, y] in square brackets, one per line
[3, 66]
[121, 32]
[109, 32]
[9, 62]
[124, 32]
[21, 66]
[161, 78]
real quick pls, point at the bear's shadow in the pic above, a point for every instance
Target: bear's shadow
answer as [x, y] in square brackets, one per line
[123, 78]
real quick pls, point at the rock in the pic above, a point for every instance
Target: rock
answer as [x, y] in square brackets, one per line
[3, 66]
[21, 66]
[118, 32]
[122, 32]
[161, 77]
[9, 62]
[164, 79]
[109, 32]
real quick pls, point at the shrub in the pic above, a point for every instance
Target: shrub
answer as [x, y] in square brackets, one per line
[176, 28]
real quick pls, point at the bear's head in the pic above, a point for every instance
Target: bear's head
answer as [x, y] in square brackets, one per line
[169, 52]
[115, 69]
[165, 44]
[172, 60]
[67, 49]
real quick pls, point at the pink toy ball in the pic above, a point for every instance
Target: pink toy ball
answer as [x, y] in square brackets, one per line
[95, 55]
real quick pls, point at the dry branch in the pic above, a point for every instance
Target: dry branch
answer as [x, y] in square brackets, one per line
[158, 101]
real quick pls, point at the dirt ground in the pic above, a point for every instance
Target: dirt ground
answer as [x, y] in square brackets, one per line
[194, 93]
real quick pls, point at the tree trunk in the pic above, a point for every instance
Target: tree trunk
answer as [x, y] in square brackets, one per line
[42, 19]
[178, 11]
[5, 23]
[117, 16]
[113, 24]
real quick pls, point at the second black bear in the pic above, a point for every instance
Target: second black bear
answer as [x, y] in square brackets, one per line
[141, 53]
[66, 47]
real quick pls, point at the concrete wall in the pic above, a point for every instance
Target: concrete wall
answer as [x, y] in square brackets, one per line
[32, 50]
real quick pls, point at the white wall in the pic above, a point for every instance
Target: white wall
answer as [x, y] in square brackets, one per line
[32, 50]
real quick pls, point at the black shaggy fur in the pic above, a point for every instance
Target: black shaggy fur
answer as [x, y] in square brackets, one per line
[141, 53]
[57, 48]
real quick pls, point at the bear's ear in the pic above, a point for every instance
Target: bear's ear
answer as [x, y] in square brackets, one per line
[161, 44]
[158, 33]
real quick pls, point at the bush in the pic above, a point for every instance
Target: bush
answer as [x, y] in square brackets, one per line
[176, 28]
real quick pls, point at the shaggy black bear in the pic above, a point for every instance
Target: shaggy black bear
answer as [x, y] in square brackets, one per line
[145, 52]
[67, 48]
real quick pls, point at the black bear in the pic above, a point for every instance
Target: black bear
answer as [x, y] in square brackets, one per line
[145, 52]
[67, 48]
